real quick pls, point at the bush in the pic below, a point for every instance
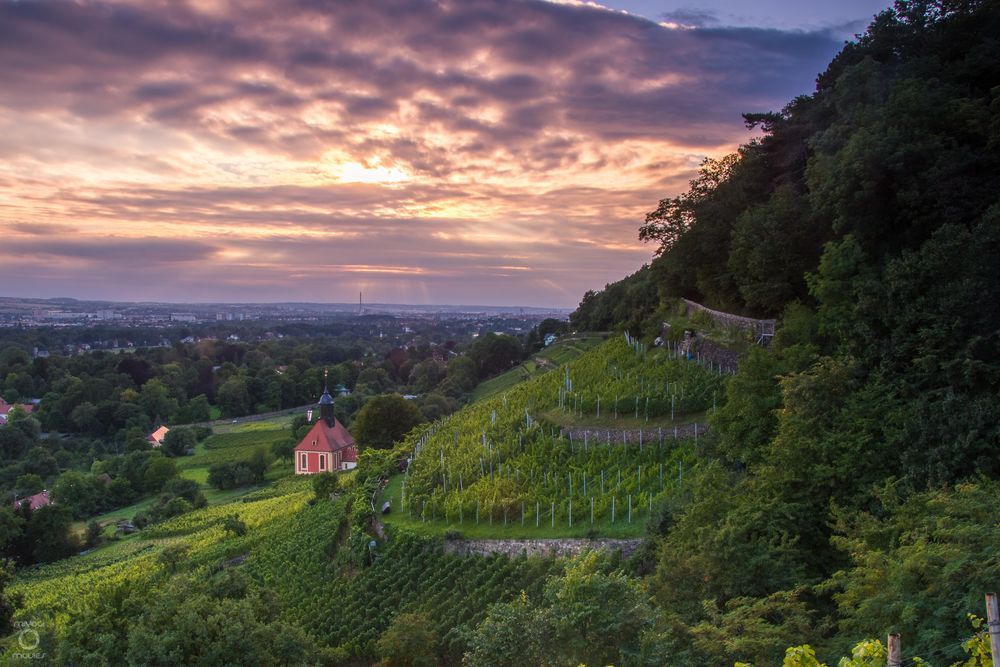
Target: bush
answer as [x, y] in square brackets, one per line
[325, 484]
[234, 524]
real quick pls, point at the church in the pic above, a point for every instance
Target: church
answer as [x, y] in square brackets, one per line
[327, 446]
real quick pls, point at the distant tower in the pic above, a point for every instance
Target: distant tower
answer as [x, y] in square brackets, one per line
[326, 404]
[361, 309]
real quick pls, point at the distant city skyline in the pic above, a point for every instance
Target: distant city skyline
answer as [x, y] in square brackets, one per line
[496, 152]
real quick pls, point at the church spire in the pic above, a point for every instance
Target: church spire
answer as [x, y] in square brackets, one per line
[326, 404]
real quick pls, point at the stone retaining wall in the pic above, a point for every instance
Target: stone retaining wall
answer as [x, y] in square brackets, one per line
[549, 547]
[765, 327]
[650, 436]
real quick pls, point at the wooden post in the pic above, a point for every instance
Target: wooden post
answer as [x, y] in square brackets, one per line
[993, 623]
[895, 650]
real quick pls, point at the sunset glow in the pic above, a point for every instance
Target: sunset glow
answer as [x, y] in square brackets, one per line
[443, 152]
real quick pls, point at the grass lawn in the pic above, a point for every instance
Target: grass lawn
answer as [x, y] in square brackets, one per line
[497, 530]
[274, 423]
[504, 381]
[557, 354]
[567, 350]
[235, 442]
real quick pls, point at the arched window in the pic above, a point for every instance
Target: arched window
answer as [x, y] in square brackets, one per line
[303, 466]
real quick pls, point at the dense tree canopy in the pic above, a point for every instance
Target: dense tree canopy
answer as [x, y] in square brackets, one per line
[384, 420]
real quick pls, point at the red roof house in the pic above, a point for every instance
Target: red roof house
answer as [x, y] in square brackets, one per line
[156, 437]
[327, 446]
[34, 502]
[6, 407]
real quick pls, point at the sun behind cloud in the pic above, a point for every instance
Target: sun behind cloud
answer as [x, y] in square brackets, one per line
[499, 151]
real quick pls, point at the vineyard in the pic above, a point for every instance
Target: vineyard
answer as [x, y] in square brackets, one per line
[496, 463]
[64, 587]
[234, 446]
[350, 607]
[304, 553]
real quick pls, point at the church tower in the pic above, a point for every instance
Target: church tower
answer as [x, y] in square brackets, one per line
[326, 404]
[328, 446]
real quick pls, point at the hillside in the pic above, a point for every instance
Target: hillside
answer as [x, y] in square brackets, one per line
[545, 360]
[498, 468]
[303, 552]
[848, 454]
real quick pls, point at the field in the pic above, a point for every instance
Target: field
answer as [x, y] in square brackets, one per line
[55, 590]
[229, 442]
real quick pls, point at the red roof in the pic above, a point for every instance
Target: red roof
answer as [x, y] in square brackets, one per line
[6, 407]
[34, 502]
[324, 438]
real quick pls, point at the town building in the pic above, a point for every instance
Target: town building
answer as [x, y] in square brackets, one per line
[40, 499]
[328, 446]
[156, 437]
[6, 407]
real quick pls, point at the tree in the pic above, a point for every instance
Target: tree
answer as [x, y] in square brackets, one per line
[551, 325]
[13, 442]
[84, 419]
[384, 420]
[325, 484]
[512, 634]
[434, 406]
[178, 442]
[596, 615]
[9, 602]
[80, 493]
[409, 641]
[11, 532]
[495, 353]
[922, 560]
[233, 397]
[234, 524]
[49, 533]
[196, 410]
[674, 216]
[156, 401]
[28, 485]
[158, 472]
[589, 616]
[284, 450]
[426, 375]
[462, 371]
[172, 556]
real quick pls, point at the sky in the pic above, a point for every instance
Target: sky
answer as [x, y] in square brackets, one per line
[496, 152]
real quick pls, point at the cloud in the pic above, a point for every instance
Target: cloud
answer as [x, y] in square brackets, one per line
[141, 252]
[519, 121]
